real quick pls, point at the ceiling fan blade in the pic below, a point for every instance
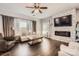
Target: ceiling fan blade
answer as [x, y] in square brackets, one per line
[33, 11]
[40, 11]
[34, 5]
[29, 7]
[38, 5]
[43, 7]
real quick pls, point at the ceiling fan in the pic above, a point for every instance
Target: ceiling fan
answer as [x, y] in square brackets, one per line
[36, 6]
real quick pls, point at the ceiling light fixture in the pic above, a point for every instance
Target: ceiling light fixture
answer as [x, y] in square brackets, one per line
[37, 8]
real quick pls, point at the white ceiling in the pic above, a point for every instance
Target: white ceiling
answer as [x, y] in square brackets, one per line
[52, 8]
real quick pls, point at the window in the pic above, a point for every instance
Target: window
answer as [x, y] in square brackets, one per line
[45, 28]
[23, 27]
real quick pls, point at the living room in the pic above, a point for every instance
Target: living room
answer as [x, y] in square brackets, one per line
[50, 31]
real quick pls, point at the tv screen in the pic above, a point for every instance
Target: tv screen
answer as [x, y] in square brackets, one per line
[63, 21]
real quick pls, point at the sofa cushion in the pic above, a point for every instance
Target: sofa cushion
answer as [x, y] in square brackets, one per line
[3, 45]
[70, 51]
[61, 53]
[24, 38]
[9, 38]
[74, 45]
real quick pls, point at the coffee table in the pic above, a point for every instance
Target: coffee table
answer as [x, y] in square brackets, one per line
[34, 40]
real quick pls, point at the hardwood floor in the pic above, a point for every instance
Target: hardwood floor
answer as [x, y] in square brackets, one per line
[47, 47]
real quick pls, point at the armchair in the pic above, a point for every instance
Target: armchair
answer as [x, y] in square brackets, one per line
[7, 42]
[71, 50]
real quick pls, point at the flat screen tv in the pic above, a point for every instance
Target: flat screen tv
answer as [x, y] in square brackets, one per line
[63, 21]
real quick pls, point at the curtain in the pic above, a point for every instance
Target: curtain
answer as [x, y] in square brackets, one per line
[8, 26]
[34, 26]
[29, 25]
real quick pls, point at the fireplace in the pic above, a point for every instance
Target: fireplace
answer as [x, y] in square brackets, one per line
[62, 33]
